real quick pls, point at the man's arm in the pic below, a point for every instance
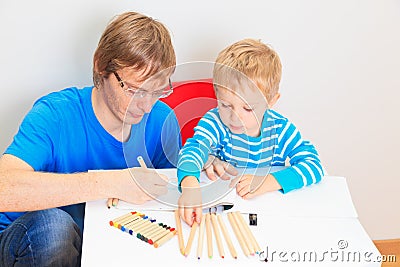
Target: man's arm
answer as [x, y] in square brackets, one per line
[23, 189]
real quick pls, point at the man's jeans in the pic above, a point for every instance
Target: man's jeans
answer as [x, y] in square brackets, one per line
[41, 238]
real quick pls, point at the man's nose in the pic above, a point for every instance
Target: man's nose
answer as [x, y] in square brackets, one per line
[146, 103]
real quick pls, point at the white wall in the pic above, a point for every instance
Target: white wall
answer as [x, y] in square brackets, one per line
[340, 83]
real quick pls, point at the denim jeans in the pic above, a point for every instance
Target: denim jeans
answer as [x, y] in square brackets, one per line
[41, 238]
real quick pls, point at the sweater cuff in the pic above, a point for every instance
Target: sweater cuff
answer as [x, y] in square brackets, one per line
[182, 174]
[288, 179]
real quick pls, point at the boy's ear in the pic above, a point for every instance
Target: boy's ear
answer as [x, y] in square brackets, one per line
[274, 100]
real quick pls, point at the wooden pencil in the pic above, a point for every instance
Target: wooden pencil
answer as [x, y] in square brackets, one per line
[116, 220]
[217, 235]
[155, 230]
[164, 239]
[228, 240]
[249, 232]
[161, 234]
[109, 202]
[134, 224]
[238, 234]
[123, 226]
[151, 238]
[141, 162]
[127, 220]
[191, 237]
[243, 231]
[153, 227]
[201, 237]
[180, 235]
[145, 226]
[209, 236]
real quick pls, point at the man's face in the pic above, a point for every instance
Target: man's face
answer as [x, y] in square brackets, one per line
[128, 99]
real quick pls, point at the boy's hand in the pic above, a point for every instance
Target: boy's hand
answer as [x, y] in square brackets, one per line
[190, 201]
[221, 168]
[249, 186]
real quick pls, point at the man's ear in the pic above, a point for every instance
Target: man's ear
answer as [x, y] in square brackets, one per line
[274, 99]
[95, 66]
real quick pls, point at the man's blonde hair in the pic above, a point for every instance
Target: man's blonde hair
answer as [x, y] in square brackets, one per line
[250, 60]
[136, 41]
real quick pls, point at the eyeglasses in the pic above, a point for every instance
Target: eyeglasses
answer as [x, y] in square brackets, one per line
[140, 93]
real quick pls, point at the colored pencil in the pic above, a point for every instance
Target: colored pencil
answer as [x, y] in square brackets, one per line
[191, 237]
[238, 234]
[112, 202]
[116, 220]
[209, 236]
[160, 235]
[201, 237]
[228, 240]
[214, 224]
[165, 239]
[249, 232]
[180, 235]
[243, 231]
[127, 220]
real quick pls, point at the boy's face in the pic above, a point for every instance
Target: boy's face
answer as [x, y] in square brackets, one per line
[241, 111]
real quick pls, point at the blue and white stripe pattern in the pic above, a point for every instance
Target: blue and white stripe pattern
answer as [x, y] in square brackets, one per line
[279, 140]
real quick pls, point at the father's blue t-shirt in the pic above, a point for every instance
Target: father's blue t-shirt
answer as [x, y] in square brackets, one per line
[61, 134]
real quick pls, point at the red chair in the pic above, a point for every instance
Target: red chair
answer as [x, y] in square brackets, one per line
[190, 101]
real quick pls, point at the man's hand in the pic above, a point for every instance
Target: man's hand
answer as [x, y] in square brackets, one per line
[138, 185]
[222, 168]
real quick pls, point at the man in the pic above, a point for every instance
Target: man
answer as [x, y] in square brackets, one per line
[70, 132]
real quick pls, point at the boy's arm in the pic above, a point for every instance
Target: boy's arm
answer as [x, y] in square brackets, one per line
[305, 169]
[249, 185]
[197, 149]
[190, 201]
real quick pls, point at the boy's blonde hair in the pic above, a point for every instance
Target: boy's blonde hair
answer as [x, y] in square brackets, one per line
[136, 41]
[249, 61]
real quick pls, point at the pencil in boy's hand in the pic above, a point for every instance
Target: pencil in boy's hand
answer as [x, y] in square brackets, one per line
[180, 235]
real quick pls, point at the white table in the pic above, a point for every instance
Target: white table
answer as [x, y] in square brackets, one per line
[316, 223]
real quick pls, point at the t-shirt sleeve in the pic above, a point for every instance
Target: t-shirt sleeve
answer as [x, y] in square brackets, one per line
[35, 140]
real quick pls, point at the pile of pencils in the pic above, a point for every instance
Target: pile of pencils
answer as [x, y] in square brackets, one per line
[145, 228]
[213, 223]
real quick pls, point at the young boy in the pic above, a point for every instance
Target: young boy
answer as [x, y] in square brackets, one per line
[245, 132]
